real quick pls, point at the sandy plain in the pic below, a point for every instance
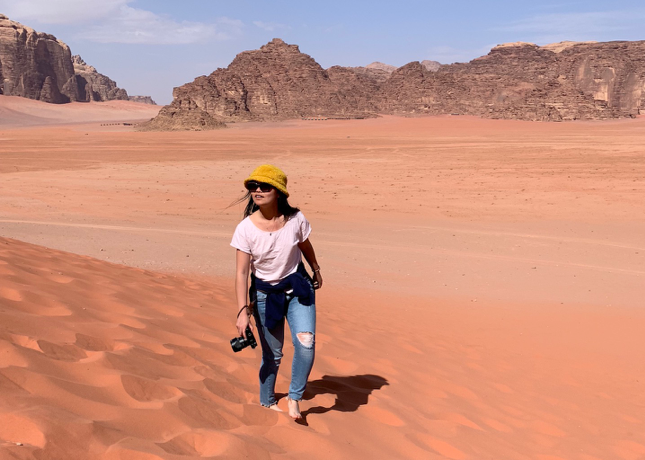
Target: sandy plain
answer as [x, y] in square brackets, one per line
[483, 298]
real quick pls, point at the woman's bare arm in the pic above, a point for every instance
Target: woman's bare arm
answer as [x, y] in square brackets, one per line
[242, 267]
[310, 255]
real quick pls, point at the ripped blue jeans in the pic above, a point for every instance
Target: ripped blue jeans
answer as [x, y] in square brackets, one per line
[302, 323]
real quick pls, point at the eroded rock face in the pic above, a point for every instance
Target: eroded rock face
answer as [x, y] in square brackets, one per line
[562, 81]
[557, 82]
[432, 66]
[34, 65]
[172, 118]
[527, 82]
[96, 86]
[142, 99]
[275, 82]
[39, 66]
[376, 71]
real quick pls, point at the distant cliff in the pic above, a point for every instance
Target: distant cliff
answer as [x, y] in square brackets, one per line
[38, 66]
[563, 81]
[98, 87]
[142, 100]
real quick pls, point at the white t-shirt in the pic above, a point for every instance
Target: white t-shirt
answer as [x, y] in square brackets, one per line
[274, 255]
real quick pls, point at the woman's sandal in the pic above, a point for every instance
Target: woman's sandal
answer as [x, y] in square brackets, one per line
[298, 415]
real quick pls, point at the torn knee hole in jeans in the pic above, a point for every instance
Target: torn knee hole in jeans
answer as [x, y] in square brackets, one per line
[306, 339]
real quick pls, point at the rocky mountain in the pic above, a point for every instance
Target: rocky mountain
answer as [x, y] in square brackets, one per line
[524, 81]
[35, 65]
[563, 81]
[376, 71]
[98, 87]
[275, 82]
[380, 66]
[432, 66]
[142, 99]
[38, 66]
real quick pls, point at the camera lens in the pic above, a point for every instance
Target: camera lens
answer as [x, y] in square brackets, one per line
[238, 344]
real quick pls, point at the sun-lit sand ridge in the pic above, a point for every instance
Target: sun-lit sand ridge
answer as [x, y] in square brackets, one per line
[483, 298]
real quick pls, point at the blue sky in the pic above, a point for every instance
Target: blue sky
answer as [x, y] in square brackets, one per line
[150, 46]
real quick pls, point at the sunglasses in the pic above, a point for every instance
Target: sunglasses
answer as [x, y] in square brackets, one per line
[253, 186]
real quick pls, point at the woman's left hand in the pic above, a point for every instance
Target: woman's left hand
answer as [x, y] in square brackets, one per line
[318, 281]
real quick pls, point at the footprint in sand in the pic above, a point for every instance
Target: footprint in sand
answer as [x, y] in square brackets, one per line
[13, 355]
[548, 429]
[43, 306]
[498, 426]
[382, 416]
[61, 352]
[59, 278]
[145, 390]
[228, 391]
[16, 427]
[11, 294]
[206, 413]
[89, 343]
[503, 388]
[8, 386]
[255, 415]
[460, 420]
[443, 448]
[212, 444]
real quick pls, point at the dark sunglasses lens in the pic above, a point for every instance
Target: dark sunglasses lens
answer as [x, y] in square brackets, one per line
[253, 186]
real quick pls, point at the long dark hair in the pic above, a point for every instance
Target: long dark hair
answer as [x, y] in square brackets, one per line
[284, 207]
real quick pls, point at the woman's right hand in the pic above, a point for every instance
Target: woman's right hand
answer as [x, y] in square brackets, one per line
[243, 321]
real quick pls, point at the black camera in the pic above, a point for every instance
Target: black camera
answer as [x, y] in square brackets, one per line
[240, 343]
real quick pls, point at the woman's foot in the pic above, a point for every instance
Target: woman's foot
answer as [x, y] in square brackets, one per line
[275, 407]
[294, 409]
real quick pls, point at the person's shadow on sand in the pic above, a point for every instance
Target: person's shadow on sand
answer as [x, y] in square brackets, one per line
[351, 392]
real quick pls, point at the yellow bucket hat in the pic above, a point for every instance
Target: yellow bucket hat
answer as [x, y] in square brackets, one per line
[271, 175]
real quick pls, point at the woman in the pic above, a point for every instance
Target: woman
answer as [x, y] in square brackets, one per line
[270, 242]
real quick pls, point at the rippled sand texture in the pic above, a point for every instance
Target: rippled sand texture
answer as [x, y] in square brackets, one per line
[483, 291]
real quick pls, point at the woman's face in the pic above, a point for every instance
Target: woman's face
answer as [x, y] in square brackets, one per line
[260, 195]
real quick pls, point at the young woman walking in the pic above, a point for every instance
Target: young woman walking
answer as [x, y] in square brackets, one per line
[270, 242]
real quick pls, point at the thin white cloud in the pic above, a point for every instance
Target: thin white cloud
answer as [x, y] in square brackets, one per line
[270, 26]
[594, 25]
[137, 26]
[114, 21]
[60, 11]
[133, 25]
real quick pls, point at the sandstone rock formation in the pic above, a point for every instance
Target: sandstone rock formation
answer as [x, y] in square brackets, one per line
[39, 66]
[376, 71]
[273, 83]
[96, 86]
[432, 66]
[551, 83]
[563, 81]
[142, 99]
[34, 64]
[172, 118]
[380, 66]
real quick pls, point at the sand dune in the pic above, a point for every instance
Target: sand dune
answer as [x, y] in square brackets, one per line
[17, 111]
[483, 291]
[106, 361]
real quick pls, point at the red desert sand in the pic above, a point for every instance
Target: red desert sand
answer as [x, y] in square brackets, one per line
[483, 298]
